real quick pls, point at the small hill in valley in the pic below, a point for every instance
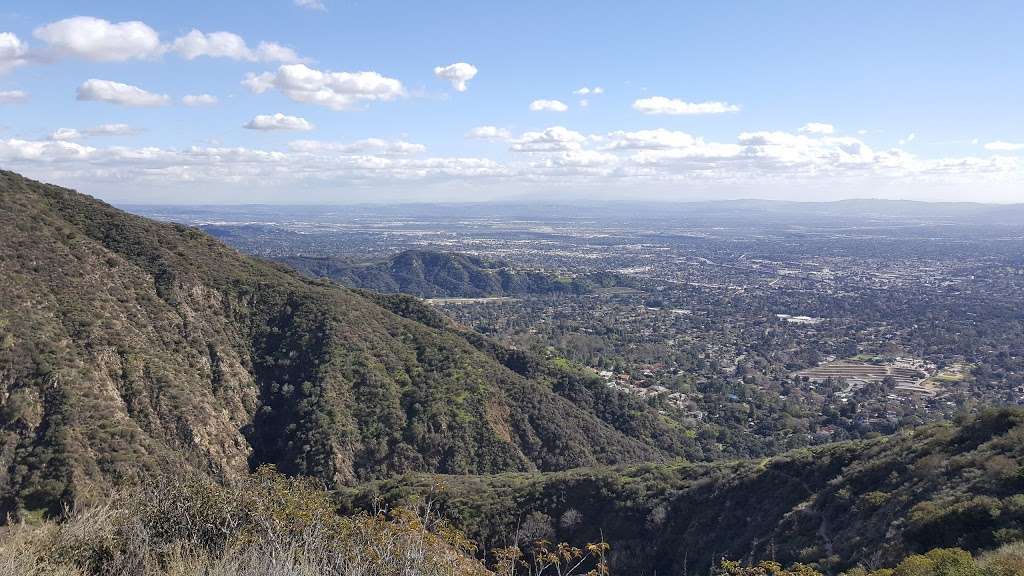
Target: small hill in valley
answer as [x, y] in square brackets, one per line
[430, 274]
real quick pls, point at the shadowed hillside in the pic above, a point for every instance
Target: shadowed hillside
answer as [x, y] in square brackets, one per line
[867, 502]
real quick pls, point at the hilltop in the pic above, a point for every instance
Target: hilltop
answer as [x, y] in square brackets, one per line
[432, 274]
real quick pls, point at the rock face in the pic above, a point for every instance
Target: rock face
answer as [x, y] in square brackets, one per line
[129, 346]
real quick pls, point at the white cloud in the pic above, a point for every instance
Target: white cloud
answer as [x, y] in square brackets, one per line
[367, 163]
[797, 149]
[65, 134]
[659, 138]
[215, 45]
[655, 161]
[910, 138]
[118, 93]
[112, 130]
[13, 52]
[97, 39]
[369, 146]
[230, 45]
[69, 134]
[675, 107]
[548, 106]
[13, 96]
[196, 100]
[818, 128]
[335, 90]
[554, 138]
[1001, 146]
[311, 4]
[488, 133]
[274, 52]
[278, 121]
[458, 74]
[587, 91]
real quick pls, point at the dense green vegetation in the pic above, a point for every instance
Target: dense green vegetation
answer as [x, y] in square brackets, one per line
[868, 502]
[430, 274]
[129, 347]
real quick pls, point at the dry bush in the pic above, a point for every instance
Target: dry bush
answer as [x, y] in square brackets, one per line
[1007, 560]
[268, 526]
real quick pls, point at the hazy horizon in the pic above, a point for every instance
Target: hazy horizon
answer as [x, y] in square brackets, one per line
[557, 202]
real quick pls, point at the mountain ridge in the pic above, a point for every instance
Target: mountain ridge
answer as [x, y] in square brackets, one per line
[131, 346]
[434, 274]
[865, 502]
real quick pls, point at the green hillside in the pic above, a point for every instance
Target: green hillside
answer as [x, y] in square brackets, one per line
[129, 346]
[869, 502]
[430, 274]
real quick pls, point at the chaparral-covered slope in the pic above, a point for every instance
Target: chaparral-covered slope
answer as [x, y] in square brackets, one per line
[129, 346]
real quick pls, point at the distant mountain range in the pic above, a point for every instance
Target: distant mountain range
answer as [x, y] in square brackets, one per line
[431, 274]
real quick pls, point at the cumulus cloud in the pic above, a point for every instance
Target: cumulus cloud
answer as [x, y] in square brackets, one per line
[818, 128]
[311, 4]
[488, 133]
[13, 96]
[657, 139]
[13, 52]
[797, 149]
[656, 105]
[196, 100]
[278, 121]
[363, 162]
[100, 40]
[659, 160]
[548, 106]
[554, 138]
[1001, 146]
[458, 74]
[369, 146]
[335, 90]
[229, 45]
[121, 94]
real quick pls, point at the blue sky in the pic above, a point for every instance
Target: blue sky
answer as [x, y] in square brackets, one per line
[351, 102]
